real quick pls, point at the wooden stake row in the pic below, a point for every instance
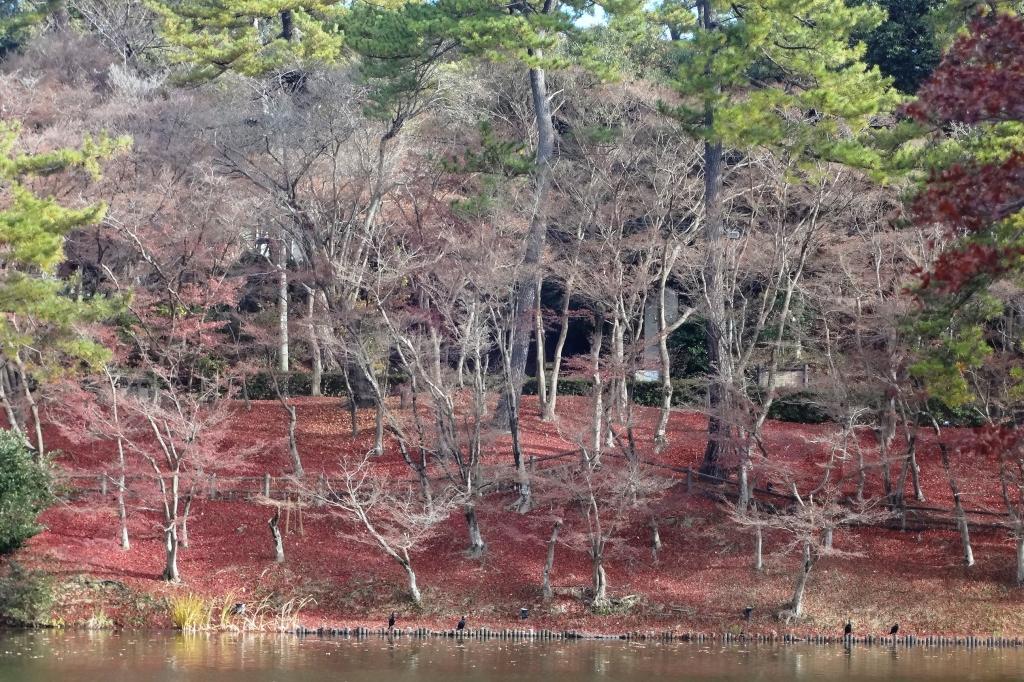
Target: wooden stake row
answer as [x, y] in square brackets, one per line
[531, 634]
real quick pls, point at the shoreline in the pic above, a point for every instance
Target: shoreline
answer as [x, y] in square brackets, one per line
[546, 635]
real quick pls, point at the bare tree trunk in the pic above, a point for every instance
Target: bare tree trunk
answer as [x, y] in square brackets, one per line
[1020, 556]
[378, 437]
[598, 390]
[476, 541]
[170, 573]
[184, 521]
[826, 537]
[122, 513]
[744, 481]
[12, 417]
[351, 403]
[961, 517]
[915, 475]
[758, 548]
[655, 537]
[527, 286]
[796, 604]
[542, 382]
[661, 432]
[293, 444]
[550, 562]
[275, 534]
[317, 376]
[414, 590]
[33, 406]
[600, 580]
[282, 310]
[563, 333]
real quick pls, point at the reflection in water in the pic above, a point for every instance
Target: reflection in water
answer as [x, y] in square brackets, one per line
[130, 657]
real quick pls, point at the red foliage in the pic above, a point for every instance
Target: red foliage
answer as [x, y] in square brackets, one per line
[980, 80]
[700, 579]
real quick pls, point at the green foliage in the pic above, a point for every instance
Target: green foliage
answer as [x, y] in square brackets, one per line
[748, 79]
[37, 313]
[688, 350]
[253, 38]
[26, 597]
[260, 386]
[24, 491]
[905, 46]
[952, 343]
[644, 393]
[801, 407]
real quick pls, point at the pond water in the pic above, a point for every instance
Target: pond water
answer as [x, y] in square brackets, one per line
[138, 657]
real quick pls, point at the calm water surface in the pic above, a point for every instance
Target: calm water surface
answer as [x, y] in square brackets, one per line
[113, 657]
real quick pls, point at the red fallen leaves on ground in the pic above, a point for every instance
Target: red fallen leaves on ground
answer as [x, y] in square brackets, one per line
[701, 579]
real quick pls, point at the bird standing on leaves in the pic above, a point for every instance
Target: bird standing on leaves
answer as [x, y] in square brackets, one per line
[746, 613]
[894, 629]
[462, 624]
[391, 621]
[848, 628]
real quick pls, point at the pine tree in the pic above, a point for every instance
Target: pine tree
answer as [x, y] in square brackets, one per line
[782, 74]
[251, 37]
[39, 326]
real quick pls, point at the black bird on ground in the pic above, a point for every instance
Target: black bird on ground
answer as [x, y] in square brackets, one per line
[746, 613]
[462, 624]
[524, 613]
[391, 621]
[848, 628]
[238, 609]
[894, 629]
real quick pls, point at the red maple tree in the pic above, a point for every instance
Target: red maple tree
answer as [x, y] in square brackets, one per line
[979, 82]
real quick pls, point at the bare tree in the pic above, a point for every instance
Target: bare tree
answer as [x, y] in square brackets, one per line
[389, 513]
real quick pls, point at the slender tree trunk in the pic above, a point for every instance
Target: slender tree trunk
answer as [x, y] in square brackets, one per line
[1020, 557]
[826, 537]
[597, 389]
[12, 416]
[563, 333]
[744, 481]
[915, 475]
[317, 376]
[414, 590]
[282, 309]
[275, 535]
[796, 604]
[33, 406]
[655, 537]
[600, 580]
[758, 548]
[183, 539]
[661, 432]
[378, 433]
[293, 443]
[122, 513]
[538, 332]
[550, 562]
[476, 540]
[527, 284]
[958, 507]
[170, 573]
[352, 412]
